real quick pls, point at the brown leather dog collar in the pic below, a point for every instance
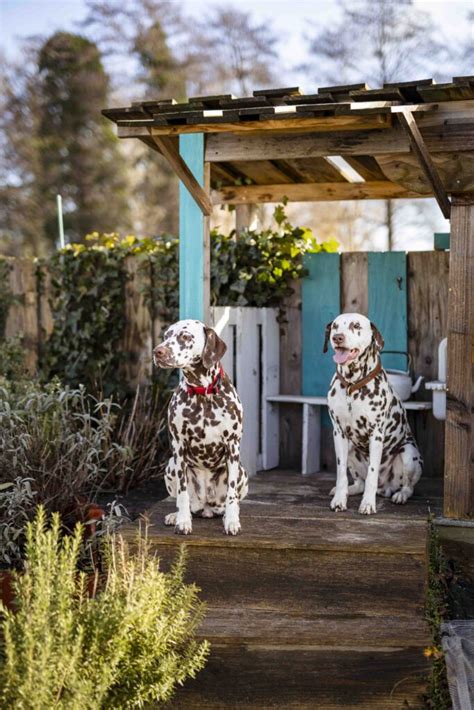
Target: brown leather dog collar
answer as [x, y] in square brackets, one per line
[354, 386]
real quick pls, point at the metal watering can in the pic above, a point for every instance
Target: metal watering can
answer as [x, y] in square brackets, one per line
[401, 380]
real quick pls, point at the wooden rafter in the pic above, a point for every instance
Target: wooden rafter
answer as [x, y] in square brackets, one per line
[408, 123]
[311, 192]
[168, 149]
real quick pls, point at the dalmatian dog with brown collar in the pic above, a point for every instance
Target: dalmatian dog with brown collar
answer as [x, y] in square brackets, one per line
[372, 437]
[204, 472]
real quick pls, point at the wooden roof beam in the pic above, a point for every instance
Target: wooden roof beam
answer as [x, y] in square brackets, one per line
[408, 123]
[311, 192]
[168, 149]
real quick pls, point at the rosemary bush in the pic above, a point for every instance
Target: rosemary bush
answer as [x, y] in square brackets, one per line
[126, 646]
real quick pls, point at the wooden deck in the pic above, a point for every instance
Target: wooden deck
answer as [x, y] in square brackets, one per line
[308, 608]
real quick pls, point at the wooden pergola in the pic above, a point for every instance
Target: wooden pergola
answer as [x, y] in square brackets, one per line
[405, 140]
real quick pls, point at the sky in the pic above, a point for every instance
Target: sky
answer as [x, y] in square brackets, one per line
[19, 18]
[292, 20]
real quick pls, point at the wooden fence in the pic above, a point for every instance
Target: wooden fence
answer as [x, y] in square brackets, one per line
[426, 290]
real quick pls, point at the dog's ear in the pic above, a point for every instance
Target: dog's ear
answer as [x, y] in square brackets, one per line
[377, 338]
[214, 348]
[327, 333]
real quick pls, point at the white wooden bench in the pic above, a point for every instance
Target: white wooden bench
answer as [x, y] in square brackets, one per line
[311, 428]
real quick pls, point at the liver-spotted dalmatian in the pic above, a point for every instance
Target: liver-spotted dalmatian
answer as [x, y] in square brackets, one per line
[372, 437]
[204, 472]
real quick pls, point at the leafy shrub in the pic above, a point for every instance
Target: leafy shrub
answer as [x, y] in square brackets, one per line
[88, 304]
[12, 359]
[126, 647]
[17, 499]
[256, 268]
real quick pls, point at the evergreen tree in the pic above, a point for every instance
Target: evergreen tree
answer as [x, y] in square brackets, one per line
[78, 151]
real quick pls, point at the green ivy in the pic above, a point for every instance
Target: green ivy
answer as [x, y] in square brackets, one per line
[88, 281]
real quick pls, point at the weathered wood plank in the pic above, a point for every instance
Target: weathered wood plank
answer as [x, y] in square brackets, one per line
[22, 320]
[456, 171]
[443, 137]
[354, 283]
[180, 167]
[323, 123]
[262, 626]
[136, 343]
[388, 303]
[427, 279]
[290, 380]
[257, 677]
[311, 192]
[459, 474]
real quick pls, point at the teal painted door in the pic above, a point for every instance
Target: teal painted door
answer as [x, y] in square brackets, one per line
[191, 233]
[387, 276]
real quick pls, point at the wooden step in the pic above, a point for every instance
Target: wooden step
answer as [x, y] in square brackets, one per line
[226, 625]
[256, 677]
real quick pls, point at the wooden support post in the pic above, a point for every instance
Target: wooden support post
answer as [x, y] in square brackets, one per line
[408, 123]
[459, 474]
[193, 244]
[245, 217]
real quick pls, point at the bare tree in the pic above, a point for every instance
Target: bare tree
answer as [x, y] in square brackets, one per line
[377, 43]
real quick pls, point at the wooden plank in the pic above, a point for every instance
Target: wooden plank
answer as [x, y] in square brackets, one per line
[323, 123]
[408, 123]
[248, 385]
[180, 167]
[443, 136]
[263, 626]
[427, 308]
[311, 192]
[261, 172]
[387, 300]
[455, 170]
[354, 283]
[311, 447]
[191, 233]
[290, 379]
[366, 166]
[316, 170]
[321, 304]
[256, 677]
[270, 377]
[22, 319]
[136, 343]
[459, 474]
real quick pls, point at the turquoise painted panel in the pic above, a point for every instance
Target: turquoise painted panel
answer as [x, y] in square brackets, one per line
[387, 274]
[321, 303]
[191, 233]
[441, 240]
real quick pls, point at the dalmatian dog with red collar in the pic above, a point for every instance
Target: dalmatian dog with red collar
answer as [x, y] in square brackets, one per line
[204, 472]
[372, 437]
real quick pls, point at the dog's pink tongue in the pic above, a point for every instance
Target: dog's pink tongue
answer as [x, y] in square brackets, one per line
[341, 356]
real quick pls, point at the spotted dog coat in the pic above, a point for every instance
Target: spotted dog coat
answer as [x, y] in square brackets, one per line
[372, 438]
[204, 472]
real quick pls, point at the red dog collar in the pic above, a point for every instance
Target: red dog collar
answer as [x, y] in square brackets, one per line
[210, 389]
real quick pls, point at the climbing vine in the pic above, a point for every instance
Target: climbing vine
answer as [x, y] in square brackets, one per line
[6, 297]
[88, 290]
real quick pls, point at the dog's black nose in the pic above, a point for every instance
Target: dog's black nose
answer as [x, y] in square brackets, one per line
[338, 339]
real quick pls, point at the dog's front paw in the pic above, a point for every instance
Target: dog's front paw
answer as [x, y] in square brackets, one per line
[339, 501]
[367, 507]
[400, 497]
[170, 519]
[231, 527]
[183, 527]
[332, 491]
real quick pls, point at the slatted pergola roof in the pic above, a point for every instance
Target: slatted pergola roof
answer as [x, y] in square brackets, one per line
[404, 140]
[280, 142]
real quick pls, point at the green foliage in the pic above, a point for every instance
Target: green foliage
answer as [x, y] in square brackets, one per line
[87, 299]
[436, 611]
[250, 269]
[12, 359]
[257, 268]
[17, 498]
[126, 647]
